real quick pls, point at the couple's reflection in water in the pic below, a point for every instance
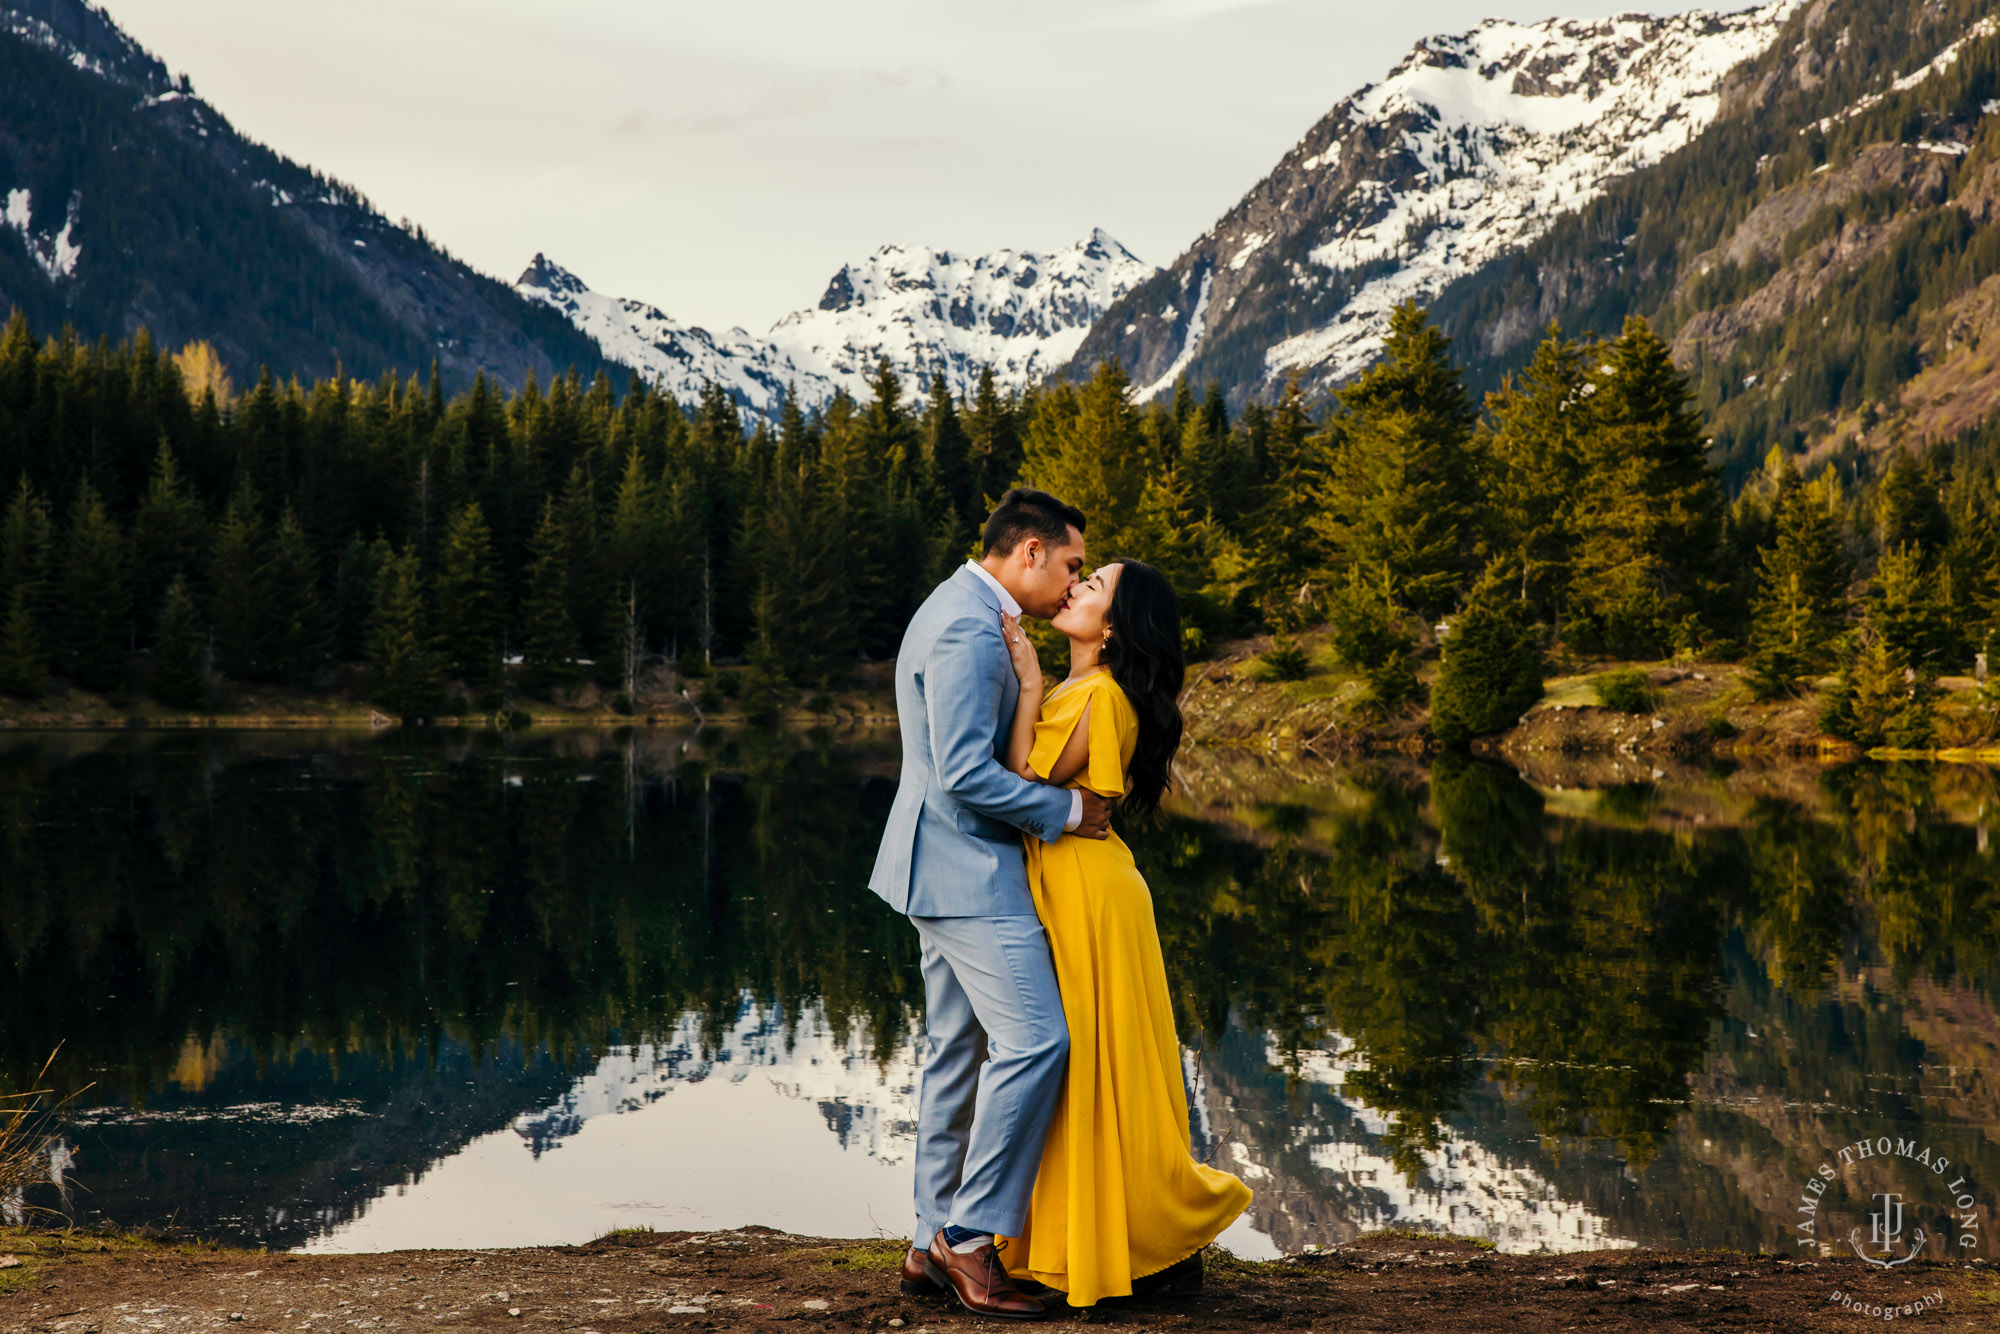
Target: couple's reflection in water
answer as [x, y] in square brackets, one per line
[301, 972]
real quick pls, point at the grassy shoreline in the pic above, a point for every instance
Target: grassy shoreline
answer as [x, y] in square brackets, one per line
[1696, 710]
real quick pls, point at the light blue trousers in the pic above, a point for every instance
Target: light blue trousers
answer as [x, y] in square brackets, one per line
[993, 1068]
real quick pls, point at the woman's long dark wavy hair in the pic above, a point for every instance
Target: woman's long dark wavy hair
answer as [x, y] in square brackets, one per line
[1144, 655]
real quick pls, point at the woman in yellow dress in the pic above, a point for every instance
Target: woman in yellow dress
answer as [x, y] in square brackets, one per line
[1120, 1203]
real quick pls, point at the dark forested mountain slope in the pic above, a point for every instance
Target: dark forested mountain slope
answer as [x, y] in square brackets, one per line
[1825, 257]
[127, 202]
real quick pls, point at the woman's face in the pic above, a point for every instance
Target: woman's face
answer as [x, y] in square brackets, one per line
[1086, 614]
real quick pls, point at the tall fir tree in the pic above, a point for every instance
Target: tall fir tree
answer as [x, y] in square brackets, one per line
[1401, 482]
[993, 443]
[1538, 419]
[24, 657]
[1801, 599]
[1648, 512]
[240, 588]
[96, 625]
[549, 642]
[408, 676]
[470, 615]
[169, 533]
[299, 634]
[180, 675]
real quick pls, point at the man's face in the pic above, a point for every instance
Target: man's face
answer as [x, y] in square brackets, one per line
[1049, 572]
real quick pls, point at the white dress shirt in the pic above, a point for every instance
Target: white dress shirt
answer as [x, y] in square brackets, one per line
[1013, 608]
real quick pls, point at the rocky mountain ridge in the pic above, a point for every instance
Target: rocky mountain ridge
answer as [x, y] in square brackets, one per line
[1471, 147]
[926, 311]
[1825, 257]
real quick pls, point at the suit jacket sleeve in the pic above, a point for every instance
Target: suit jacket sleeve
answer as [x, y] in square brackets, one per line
[963, 689]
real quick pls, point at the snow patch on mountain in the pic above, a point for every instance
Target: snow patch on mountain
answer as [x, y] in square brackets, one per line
[1197, 325]
[679, 358]
[930, 311]
[55, 252]
[1512, 125]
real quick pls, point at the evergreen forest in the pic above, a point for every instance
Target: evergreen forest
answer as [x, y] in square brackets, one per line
[164, 533]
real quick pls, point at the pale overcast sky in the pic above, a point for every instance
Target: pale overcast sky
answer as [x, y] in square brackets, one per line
[722, 159]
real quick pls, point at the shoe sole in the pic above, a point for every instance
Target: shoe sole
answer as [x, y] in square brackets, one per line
[937, 1280]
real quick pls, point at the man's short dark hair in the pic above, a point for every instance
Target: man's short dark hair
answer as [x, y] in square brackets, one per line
[1024, 513]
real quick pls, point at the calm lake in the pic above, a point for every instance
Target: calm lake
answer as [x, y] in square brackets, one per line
[359, 993]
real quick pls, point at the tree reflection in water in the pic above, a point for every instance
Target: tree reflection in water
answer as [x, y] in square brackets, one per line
[291, 908]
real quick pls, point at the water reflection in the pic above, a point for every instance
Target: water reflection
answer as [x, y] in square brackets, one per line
[367, 992]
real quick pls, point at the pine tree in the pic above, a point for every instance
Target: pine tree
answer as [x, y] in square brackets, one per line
[1880, 699]
[168, 532]
[1084, 445]
[634, 554]
[1801, 589]
[240, 590]
[1538, 420]
[26, 557]
[299, 634]
[1648, 512]
[469, 612]
[24, 658]
[548, 634]
[1402, 481]
[948, 450]
[993, 444]
[1491, 672]
[1286, 523]
[180, 676]
[407, 673]
[1904, 610]
[96, 624]
[1372, 633]
[1908, 507]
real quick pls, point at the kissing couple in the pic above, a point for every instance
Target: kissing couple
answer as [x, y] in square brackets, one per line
[1053, 1163]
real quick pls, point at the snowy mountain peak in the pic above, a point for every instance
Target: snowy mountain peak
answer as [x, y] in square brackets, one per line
[1472, 145]
[1022, 312]
[549, 278]
[679, 358]
[928, 311]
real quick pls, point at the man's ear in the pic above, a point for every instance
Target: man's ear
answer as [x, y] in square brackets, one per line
[1031, 547]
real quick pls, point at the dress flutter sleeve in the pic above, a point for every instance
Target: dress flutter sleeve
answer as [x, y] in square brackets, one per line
[1104, 771]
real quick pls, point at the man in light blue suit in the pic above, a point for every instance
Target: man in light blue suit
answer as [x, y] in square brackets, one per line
[952, 859]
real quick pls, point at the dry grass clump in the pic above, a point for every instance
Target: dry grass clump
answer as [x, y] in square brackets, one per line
[26, 1125]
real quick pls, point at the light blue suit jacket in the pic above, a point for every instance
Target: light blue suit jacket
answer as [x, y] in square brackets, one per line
[953, 844]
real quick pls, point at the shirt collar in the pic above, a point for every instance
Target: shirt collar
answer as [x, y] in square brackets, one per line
[1007, 602]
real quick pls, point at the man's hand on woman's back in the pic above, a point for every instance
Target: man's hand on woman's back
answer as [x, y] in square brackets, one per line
[1096, 821]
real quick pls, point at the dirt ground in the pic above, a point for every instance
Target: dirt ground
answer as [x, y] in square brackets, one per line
[638, 1283]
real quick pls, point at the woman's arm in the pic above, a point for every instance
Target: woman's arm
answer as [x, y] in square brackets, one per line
[1028, 709]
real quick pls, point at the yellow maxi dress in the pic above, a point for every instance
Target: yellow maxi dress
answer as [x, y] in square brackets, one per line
[1119, 1195]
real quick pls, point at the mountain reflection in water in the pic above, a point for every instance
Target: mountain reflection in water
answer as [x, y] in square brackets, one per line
[364, 992]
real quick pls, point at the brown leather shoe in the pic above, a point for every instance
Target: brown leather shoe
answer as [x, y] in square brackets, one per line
[917, 1276]
[980, 1282]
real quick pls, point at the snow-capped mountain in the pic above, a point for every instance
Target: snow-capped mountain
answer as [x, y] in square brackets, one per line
[928, 310]
[1472, 146]
[1021, 312]
[679, 358]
